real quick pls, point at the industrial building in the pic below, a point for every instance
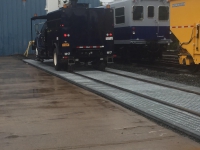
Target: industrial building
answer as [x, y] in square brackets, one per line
[15, 23]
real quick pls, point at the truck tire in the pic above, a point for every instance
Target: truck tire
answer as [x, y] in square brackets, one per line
[56, 62]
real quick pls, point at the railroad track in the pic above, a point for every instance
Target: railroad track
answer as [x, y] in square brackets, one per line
[159, 66]
[163, 67]
[115, 74]
[169, 63]
[163, 101]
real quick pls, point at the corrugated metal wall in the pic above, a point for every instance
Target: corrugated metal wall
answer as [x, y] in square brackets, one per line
[15, 23]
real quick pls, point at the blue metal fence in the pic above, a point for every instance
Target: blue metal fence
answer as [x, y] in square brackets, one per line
[15, 23]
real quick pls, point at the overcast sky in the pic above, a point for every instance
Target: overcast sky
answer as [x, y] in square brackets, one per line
[106, 1]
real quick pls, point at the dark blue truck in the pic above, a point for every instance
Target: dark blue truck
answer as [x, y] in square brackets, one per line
[76, 34]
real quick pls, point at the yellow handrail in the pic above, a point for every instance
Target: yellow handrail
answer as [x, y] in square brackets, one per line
[27, 50]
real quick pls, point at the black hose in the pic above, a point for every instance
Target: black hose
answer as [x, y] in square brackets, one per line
[186, 43]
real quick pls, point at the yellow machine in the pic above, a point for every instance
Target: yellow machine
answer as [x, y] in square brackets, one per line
[185, 24]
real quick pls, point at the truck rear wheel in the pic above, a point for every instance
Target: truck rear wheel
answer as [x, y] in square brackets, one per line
[56, 63]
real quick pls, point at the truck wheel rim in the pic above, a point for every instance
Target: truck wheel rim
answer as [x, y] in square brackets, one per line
[55, 59]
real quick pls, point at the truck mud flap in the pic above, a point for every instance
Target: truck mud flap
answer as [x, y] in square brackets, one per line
[71, 61]
[109, 60]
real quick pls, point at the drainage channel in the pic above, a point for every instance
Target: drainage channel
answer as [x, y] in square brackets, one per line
[176, 118]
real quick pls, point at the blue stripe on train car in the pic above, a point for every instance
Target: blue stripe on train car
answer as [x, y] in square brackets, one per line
[141, 32]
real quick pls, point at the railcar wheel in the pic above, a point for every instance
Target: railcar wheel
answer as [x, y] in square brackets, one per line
[56, 63]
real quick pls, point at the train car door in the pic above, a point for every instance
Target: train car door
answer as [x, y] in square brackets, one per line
[162, 20]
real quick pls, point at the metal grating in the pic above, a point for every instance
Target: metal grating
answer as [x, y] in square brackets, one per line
[179, 98]
[181, 120]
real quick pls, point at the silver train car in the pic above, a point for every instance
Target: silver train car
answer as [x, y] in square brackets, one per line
[141, 28]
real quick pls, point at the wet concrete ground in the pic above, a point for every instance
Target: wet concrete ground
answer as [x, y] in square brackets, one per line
[39, 111]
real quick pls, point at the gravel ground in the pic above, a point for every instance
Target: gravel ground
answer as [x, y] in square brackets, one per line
[187, 78]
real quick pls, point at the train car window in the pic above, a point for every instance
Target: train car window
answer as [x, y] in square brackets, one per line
[138, 12]
[163, 13]
[119, 15]
[150, 11]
